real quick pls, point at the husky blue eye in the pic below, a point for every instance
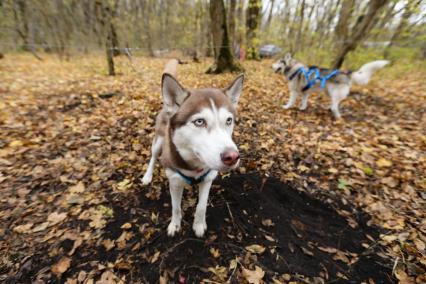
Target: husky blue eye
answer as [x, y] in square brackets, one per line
[199, 122]
[229, 121]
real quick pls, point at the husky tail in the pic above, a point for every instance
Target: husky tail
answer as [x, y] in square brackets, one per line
[363, 75]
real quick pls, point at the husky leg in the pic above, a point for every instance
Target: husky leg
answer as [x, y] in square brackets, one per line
[176, 190]
[293, 97]
[338, 94]
[155, 151]
[200, 225]
[304, 103]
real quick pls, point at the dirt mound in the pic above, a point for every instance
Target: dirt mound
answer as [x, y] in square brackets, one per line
[300, 235]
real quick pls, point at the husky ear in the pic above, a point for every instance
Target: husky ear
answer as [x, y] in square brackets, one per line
[288, 56]
[173, 93]
[234, 90]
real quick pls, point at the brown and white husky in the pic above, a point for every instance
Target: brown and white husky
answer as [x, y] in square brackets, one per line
[337, 86]
[193, 134]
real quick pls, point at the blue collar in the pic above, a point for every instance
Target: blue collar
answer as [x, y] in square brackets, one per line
[191, 180]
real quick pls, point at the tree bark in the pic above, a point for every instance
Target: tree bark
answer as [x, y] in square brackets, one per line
[231, 20]
[20, 16]
[360, 31]
[252, 25]
[104, 16]
[342, 27]
[224, 59]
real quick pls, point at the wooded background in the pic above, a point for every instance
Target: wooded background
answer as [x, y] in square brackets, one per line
[323, 32]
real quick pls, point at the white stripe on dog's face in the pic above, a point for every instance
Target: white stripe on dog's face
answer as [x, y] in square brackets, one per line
[205, 136]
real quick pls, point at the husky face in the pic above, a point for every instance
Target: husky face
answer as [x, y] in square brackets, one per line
[283, 65]
[201, 125]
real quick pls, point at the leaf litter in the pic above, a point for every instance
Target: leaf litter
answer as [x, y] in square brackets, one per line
[73, 208]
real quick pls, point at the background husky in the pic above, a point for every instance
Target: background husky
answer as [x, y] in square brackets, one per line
[337, 87]
[193, 132]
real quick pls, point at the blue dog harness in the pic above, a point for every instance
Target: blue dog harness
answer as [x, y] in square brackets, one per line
[308, 72]
[191, 180]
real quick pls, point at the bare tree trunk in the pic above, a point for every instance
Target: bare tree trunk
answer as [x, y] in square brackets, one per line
[240, 36]
[252, 24]
[361, 29]
[110, 53]
[224, 59]
[104, 16]
[342, 27]
[147, 26]
[20, 16]
[231, 20]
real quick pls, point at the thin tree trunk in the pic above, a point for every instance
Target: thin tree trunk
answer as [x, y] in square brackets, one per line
[231, 20]
[361, 29]
[252, 24]
[342, 27]
[224, 59]
[104, 16]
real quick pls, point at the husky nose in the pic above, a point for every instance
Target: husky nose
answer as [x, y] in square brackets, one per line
[230, 157]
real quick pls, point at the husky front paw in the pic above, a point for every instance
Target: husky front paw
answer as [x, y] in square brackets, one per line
[199, 228]
[146, 179]
[173, 228]
[287, 106]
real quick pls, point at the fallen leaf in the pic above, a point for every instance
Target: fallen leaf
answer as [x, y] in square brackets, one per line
[78, 242]
[267, 223]
[78, 188]
[108, 244]
[16, 144]
[383, 163]
[126, 226]
[23, 229]
[155, 257]
[255, 249]
[56, 218]
[61, 266]
[253, 276]
[328, 249]
[307, 252]
[419, 244]
[214, 252]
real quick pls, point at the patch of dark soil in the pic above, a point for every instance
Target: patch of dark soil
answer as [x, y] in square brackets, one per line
[303, 237]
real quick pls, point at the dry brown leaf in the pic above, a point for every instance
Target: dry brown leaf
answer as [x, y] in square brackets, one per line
[78, 188]
[78, 242]
[419, 244]
[255, 249]
[155, 257]
[214, 252]
[383, 163]
[61, 266]
[23, 229]
[56, 218]
[126, 226]
[267, 223]
[328, 249]
[253, 276]
[108, 244]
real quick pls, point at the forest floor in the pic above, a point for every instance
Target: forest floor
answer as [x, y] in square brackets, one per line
[314, 201]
